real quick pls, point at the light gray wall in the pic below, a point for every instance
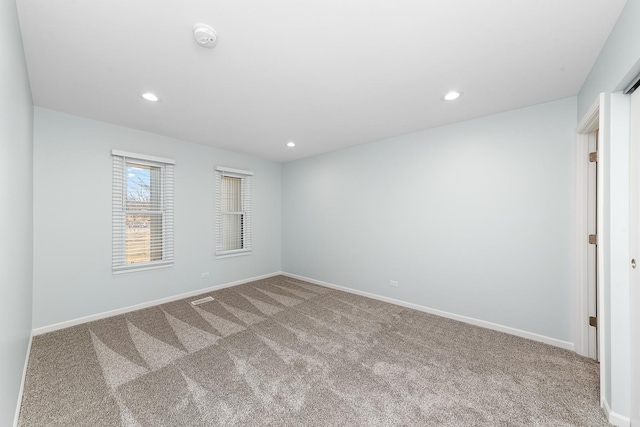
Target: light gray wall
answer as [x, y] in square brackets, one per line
[473, 219]
[619, 60]
[72, 219]
[16, 218]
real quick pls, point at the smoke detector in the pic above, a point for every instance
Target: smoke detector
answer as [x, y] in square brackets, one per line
[205, 35]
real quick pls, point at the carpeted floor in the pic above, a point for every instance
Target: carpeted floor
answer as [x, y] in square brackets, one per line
[284, 352]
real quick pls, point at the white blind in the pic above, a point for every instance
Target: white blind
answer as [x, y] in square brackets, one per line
[142, 203]
[233, 211]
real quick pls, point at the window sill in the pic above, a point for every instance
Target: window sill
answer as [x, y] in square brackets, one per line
[221, 255]
[132, 269]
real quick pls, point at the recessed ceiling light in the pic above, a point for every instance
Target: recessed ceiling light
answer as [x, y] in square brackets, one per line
[291, 144]
[450, 96]
[150, 97]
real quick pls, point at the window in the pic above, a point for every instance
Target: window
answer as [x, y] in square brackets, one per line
[142, 212]
[233, 212]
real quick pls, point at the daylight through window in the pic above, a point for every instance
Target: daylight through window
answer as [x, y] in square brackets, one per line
[142, 212]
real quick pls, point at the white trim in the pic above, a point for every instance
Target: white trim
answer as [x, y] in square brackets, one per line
[591, 118]
[161, 187]
[110, 313]
[24, 378]
[603, 169]
[580, 310]
[477, 322]
[595, 118]
[231, 254]
[129, 155]
[586, 216]
[132, 268]
[225, 235]
[634, 253]
[232, 170]
[470, 320]
[613, 417]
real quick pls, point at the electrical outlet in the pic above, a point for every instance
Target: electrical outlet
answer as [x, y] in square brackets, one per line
[393, 283]
[205, 275]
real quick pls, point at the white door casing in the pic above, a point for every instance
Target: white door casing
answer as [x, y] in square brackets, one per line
[587, 221]
[634, 248]
[592, 260]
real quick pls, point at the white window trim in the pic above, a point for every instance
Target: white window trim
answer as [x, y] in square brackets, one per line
[234, 171]
[233, 254]
[131, 268]
[118, 195]
[146, 157]
[237, 173]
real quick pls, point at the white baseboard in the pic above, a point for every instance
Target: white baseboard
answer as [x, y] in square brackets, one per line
[477, 322]
[110, 313]
[501, 328]
[615, 418]
[24, 377]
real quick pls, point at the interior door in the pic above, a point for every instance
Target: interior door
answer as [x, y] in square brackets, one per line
[634, 228]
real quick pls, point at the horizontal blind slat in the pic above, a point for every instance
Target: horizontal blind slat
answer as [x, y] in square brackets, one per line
[233, 211]
[142, 213]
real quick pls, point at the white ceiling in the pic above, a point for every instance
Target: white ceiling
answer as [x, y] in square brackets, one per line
[326, 74]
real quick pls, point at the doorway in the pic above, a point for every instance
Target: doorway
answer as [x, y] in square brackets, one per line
[589, 219]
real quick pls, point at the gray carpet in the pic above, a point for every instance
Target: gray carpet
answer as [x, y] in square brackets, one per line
[285, 352]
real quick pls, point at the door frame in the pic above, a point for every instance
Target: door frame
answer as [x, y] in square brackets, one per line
[634, 253]
[595, 119]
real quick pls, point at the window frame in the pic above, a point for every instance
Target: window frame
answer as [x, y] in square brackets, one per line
[245, 200]
[121, 160]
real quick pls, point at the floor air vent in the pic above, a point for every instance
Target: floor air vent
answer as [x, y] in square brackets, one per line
[201, 300]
